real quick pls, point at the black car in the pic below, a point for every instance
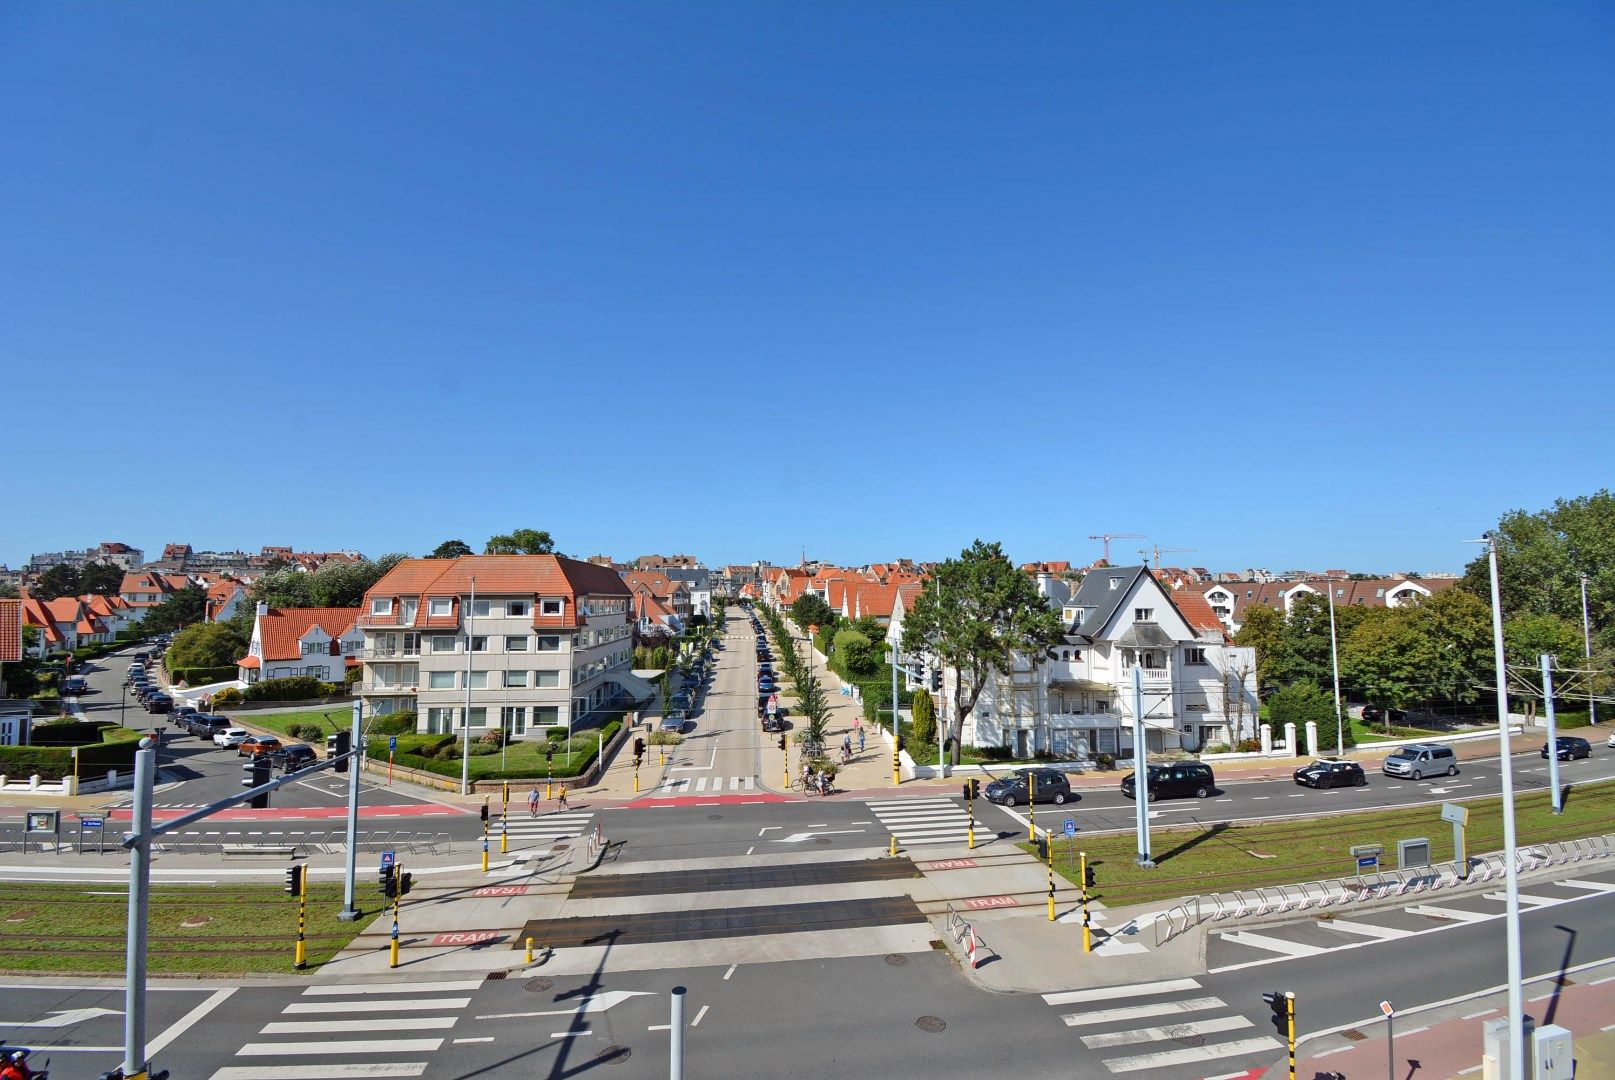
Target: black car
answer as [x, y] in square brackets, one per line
[1374, 714]
[1010, 790]
[206, 725]
[179, 713]
[1568, 748]
[293, 757]
[774, 723]
[1331, 773]
[74, 684]
[1179, 779]
[159, 703]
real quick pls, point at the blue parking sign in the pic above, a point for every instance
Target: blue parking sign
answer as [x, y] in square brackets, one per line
[392, 743]
[1071, 826]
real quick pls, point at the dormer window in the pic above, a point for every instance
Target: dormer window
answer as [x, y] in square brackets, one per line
[381, 607]
[552, 607]
[442, 606]
[1115, 583]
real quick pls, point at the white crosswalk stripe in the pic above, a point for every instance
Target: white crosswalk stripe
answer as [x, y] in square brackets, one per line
[545, 828]
[346, 1012]
[1182, 1011]
[922, 821]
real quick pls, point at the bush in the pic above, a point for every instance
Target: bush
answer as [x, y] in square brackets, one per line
[353, 675]
[68, 733]
[201, 676]
[1248, 746]
[227, 697]
[115, 750]
[664, 738]
[1104, 762]
[393, 723]
[555, 734]
[310, 733]
[493, 737]
[294, 688]
[1215, 748]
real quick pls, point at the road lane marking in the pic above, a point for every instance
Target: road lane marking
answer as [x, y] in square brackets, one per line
[730, 972]
[1108, 993]
[1183, 1057]
[697, 1021]
[390, 988]
[385, 1023]
[346, 1046]
[186, 1022]
[322, 1072]
[1136, 1012]
[1172, 1031]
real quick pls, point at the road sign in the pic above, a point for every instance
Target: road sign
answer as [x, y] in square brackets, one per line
[1367, 862]
[92, 822]
[1071, 826]
[1457, 815]
[1385, 1007]
[388, 858]
[392, 743]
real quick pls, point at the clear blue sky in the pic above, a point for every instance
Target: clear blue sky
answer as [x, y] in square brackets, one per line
[1292, 284]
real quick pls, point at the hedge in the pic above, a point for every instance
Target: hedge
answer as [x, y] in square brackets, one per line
[117, 750]
[68, 733]
[422, 752]
[202, 676]
[295, 688]
[393, 723]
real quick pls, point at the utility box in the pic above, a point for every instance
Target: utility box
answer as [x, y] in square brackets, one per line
[1553, 1054]
[1495, 1044]
[1412, 853]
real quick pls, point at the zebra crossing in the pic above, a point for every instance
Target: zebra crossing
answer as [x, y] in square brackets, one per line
[922, 821]
[686, 785]
[1181, 1026]
[347, 1032]
[523, 828]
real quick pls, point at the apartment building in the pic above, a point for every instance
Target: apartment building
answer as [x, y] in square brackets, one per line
[534, 640]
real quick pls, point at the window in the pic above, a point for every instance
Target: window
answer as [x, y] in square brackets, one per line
[1115, 583]
[479, 643]
[1194, 656]
[514, 719]
[549, 643]
[517, 643]
[1065, 654]
[479, 717]
[518, 609]
[546, 715]
[547, 680]
[551, 607]
[1249, 593]
[316, 648]
[481, 609]
[515, 678]
[439, 607]
[441, 680]
[381, 607]
[439, 721]
[1379, 592]
[1144, 614]
[410, 607]
[442, 643]
[477, 680]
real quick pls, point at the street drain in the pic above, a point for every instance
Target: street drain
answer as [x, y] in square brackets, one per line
[194, 921]
[714, 817]
[613, 1055]
[897, 959]
[822, 841]
[933, 1024]
[1354, 1035]
[538, 984]
[495, 975]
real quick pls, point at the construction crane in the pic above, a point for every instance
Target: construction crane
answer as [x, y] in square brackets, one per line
[1108, 537]
[1159, 549]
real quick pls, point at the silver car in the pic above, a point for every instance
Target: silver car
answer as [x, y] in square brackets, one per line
[1418, 760]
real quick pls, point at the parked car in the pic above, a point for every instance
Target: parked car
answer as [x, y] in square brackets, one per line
[142, 657]
[256, 745]
[159, 703]
[206, 725]
[1375, 714]
[1568, 748]
[293, 757]
[1418, 760]
[1612, 742]
[179, 714]
[74, 684]
[1010, 789]
[673, 721]
[1331, 772]
[230, 736]
[1180, 779]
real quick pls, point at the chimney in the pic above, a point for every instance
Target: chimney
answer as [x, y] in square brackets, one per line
[263, 609]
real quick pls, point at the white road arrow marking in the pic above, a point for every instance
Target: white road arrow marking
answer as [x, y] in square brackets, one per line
[797, 838]
[596, 1003]
[64, 1018]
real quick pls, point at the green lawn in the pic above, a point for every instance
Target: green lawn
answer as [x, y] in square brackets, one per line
[1223, 858]
[332, 718]
[60, 928]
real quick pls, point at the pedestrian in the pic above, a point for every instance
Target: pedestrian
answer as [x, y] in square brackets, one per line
[846, 746]
[860, 740]
[560, 800]
[532, 802]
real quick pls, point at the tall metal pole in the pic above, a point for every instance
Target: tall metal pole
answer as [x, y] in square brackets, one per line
[1141, 769]
[1334, 656]
[134, 963]
[675, 1056]
[355, 765]
[465, 725]
[1587, 651]
[1516, 995]
[1553, 734]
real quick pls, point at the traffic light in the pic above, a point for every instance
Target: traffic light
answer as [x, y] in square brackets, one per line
[255, 773]
[406, 882]
[388, 880]
[975, 788]
[1088, 880]
[639, 749]
[337, 747]
[1280, 1006]
[782, 740]
[485, 810]
[294, 879]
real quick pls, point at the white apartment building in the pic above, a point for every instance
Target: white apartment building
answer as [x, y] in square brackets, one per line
[536, 640]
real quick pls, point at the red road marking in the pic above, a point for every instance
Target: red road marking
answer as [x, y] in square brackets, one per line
[300, 813]
[469, 937]
[951, 864]
[980, 903]
[501, 890]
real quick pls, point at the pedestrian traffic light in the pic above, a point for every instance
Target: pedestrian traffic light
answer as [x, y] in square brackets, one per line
[406, 882]
[388, 880]
[639, 749]
[1088, 880]
[484, 809]
[255, 773]
[337, 747]
[782, 740]
[294, 879]
[1279, 1003]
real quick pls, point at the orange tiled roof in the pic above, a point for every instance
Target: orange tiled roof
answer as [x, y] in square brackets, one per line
[248, 662]
[1196, 610]
[10, 630]
[281, 630]
[518, 575]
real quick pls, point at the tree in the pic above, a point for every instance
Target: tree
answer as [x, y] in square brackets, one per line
[57, 581]
[809, 609]
[1300, 703]
[100, 579]
[520, 542]
[205, 645]
[1527, 637]
[1435, 650]
[856, 653]
[180, 610]
[1263, 630]
[924, 717]
[451, 549]
[8, 591]
[335, 584]
[988, 613]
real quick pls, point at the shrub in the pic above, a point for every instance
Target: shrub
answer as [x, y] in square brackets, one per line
[1248, 746]
[353, 675]
[1104, 762]
[68, 733]
[394, 723]
[555, 734]
[311, 733]
[493, 737]
[294, 688]
[1215, 748]
[664, 738]
[227, 697]
[201, 676]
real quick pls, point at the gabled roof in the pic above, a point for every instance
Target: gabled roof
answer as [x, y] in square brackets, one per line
[1196, 611]
[281, 631]
[1100, 599]
[496, 575]
[10, 630]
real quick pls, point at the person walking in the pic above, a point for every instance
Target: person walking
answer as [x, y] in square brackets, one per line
[860, 740]
[560, 801]
[532, 802]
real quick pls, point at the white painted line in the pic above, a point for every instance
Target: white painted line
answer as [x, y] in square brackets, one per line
[374, 1005]
[1416, 1030]
[1590, 886]
[1608, 1027]
[660, 1027]
[391, 988]
[1525, 898]
[1260, 798]
[477, 1039]
[184, 1023]
[574, 1033]
[1135, 1012]
[1109, 993]
[1456, 914]
[1299, 795]
[388, 1023]
[360, 1071]
[1477, 1015]
[350, 1046]
[1272, 944]
[1184, 1057]
[750, 850]
[730, 972]
[1601, 982]
[1156, 1034]
[697, 1021]
[1326, 1053]
[1383, 933]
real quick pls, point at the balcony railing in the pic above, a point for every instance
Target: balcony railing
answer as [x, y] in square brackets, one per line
[386, 654]
[377, 688]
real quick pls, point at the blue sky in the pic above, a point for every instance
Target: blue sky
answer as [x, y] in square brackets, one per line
[1293, 285]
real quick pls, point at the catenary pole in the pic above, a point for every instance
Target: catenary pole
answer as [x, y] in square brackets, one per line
[1553, 734]
[1141, 769]
[465, 721]
[355, 766]
[1334, 657]
[134, 992]
[1587, 651]
[1516, 994]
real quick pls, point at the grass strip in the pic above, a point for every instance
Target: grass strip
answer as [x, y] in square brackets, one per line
[193, 929]
[1224, 857]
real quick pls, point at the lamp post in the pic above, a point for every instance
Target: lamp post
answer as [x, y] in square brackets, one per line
[1587, 651]
[1516, 997]
[465, 725]
[1334, 656]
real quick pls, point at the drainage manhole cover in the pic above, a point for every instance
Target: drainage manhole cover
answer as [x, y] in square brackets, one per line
[1354, 1035]
[1189, 1040]
[193, 921]
[896, 959]
[496, 975]
[538, 985]
[714, 817]
[822, 840]
[933, 1024]
[560, 847]
[613, 1055]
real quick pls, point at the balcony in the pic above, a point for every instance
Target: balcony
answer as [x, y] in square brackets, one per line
[386, 690]
[386, 654]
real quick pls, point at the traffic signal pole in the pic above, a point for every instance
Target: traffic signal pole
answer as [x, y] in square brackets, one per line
[1087, 931]
[349, 913]
[504, 819]
[397, 890]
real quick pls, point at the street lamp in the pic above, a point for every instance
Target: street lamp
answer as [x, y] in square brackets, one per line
[1334, 656]
[1587, 647]
[1516, 1002]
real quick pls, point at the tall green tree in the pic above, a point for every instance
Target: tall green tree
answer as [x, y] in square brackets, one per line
[1527, 637]
[1263, 630]
[1436, 651]
[101, 579]
[204, 645]
[521, 542]
[988, 614]
[180, 610]
[332, 585]
[1300, 703]
[856, 653]
[809, 609]
[57, 581]
[924, 716]
[451, 549]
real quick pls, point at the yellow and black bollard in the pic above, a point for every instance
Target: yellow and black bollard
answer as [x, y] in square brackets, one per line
[636, 776]
[1031, 806]
[529, 950]
[485, 834]
[970, 804]
[1048, 847]
[297, 885]
[398, 873]
[504, 821]
[1289, 1001]
[897, 766]
[1087, 933]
